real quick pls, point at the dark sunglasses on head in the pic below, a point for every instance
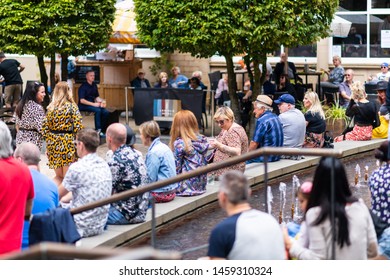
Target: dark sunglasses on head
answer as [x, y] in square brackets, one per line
[38, 84]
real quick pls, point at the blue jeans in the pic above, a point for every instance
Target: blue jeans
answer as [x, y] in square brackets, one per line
[101, 115]
[116, 218]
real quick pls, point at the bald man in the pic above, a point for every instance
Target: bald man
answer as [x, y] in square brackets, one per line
[46, 192]
[128, 171]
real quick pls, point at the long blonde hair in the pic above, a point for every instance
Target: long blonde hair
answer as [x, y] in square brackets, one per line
[315, 104]
[358, 91]
[62, 94]
[185, 126]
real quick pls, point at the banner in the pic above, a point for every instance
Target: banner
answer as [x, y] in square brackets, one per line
[162, 104]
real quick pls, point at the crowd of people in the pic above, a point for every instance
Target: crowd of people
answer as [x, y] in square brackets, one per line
[83, 177]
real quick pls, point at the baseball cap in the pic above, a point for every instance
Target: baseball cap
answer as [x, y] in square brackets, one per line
[385, 64]
[285, 98]
[141, 71]
[2, 54]
[264, 99]
[130, 136]
[381, 85]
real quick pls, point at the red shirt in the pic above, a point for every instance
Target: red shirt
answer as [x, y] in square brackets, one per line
[16, 187]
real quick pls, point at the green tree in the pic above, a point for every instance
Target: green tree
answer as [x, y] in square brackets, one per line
[46, 27]
[230, 27]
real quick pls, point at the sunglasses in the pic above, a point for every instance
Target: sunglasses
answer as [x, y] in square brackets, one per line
[220, 122]
[38, 84]
[383, 67]
[347, 75]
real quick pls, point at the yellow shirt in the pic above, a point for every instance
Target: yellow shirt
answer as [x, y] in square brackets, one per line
[381, 131]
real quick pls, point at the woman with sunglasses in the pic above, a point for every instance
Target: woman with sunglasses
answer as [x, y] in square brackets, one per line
[231, 141]
[62, 121]
[30, 114]
[190, 151]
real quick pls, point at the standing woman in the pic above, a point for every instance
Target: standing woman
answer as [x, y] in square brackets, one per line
[30, 115]
[63, 120]
[231, 141]
[160, 161]
[315, 121]
[190, 149]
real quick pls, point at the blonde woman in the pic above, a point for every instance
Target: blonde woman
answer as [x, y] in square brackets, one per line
[60, 126]
[231, 141]
[315, 121]
[162, 81]
[160, 161]
[364, 113]
[190, 149]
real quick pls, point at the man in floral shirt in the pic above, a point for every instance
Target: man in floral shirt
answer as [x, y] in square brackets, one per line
[128, 172]
[89, 180]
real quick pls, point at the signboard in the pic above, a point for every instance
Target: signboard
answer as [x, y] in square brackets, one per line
[82, 70]
[162, 104]
[385, 39]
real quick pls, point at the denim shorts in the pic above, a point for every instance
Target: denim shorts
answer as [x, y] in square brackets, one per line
[384, 243]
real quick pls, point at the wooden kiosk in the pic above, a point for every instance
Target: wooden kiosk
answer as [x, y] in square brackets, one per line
[111, 77]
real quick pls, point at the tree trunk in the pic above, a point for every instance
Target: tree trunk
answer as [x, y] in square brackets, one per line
[257, 87]
[52, 71]
[43, 74]
[64, 66]
[232, 84]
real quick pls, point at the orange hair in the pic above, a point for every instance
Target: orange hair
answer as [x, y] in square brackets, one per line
[186, 127]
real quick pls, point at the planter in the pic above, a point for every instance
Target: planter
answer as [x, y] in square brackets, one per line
[336, 126]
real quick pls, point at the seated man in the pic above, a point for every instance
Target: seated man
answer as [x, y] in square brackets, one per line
[268, 130]
[247, 234]
[128, 172]
[293, 122]
[89, 101]
[46, 192]
[89, 179]
[345, 89]
[140, 81]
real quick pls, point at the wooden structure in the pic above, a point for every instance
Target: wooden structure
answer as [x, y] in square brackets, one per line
[114, 77]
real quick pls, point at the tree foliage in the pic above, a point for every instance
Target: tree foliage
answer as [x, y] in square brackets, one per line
[46, 27]
[231, 27]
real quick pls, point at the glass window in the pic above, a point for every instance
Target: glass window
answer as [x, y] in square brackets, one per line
[352, 5]
[379, 27]
[380, 4]
[355, 43]
[300, 51]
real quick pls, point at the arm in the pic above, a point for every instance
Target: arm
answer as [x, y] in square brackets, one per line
[28, 209]
[21, 68]
[253, 146]
[86, 102]
[231, 151]
[178, 152]
[62, 191]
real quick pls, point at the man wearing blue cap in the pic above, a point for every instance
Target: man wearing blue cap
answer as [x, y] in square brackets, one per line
[384, 75]
[293, 122]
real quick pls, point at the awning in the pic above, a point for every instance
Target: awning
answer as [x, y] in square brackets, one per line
[340, 27]
[124, 26]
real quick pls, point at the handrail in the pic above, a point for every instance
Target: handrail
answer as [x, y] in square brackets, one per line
[47, 250]
[204, 170]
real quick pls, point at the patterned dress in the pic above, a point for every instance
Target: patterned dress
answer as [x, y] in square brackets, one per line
[190, 160]
[30, 124]
[234, 137]
[59, 135]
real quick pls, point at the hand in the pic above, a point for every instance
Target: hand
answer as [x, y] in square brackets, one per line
[213, 143]
[97, 104]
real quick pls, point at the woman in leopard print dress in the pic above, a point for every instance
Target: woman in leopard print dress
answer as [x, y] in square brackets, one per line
[30, 114]
[62, 121]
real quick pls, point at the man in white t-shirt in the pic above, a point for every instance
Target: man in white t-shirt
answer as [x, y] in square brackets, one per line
[247, 234]
[293, 122]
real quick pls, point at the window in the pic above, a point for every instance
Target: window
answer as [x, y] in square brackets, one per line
[369, 27]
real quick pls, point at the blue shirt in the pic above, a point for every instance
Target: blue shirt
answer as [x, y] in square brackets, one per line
[268, 133]
[160, 163]
[179, 82]
[46, 197]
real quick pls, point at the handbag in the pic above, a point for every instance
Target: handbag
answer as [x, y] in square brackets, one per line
[350, 126]
[210, 156]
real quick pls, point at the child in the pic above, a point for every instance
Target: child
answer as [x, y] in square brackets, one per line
[303, 195]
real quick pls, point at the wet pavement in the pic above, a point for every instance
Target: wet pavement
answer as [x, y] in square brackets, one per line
[193, 231]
